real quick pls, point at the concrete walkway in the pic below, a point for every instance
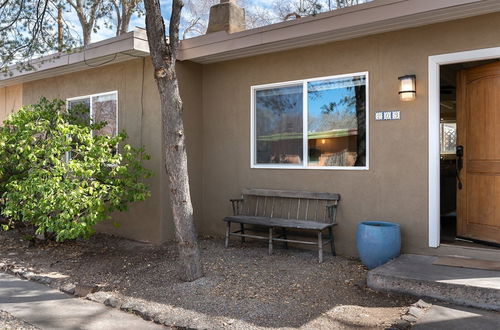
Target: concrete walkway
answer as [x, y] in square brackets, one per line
[445, 317]
[47, 308]
[417, 275]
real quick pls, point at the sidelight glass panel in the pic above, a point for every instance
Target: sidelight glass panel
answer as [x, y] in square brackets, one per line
[279, 125]
[448, 137]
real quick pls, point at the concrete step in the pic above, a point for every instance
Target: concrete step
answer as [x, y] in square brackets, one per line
[416, 275]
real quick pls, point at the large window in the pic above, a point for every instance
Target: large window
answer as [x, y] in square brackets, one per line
[97, 108]
[314, 123]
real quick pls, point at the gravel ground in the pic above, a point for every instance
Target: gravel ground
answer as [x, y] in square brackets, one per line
[243, 287]
[9, 322]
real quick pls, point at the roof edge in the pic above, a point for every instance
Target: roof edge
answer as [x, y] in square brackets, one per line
[375, 17]
[105, 52]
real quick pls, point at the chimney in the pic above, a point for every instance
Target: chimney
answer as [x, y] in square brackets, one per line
[226, 16]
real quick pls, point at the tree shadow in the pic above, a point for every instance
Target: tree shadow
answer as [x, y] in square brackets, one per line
[243, 283]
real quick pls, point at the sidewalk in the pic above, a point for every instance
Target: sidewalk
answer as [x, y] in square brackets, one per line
[47, 308]
[444, 317]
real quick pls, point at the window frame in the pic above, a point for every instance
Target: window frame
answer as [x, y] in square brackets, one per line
[305, 140]
[91, 96]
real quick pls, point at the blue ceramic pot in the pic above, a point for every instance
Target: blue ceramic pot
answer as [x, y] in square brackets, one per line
[378, 242]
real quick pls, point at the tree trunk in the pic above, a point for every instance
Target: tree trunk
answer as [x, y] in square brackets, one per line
[360, 92]
[127, 10]
[87, 34]
[163, 56]
[125, 22]
[60, 42]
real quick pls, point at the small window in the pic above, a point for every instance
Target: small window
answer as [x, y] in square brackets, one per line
[315, 123]
[98, 108]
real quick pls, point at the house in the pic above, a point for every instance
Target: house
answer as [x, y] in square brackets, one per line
[314, 104]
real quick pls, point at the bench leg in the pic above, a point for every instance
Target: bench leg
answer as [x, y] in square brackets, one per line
[228, 231]
[320, 246]
[270, 240]
[285, 237]
[242, 227]
[332, 242]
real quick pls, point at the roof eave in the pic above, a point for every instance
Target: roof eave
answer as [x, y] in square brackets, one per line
[375, 17]
[109, 51]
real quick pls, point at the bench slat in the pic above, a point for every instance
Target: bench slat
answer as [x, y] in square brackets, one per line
[278, 222]
[290, 194]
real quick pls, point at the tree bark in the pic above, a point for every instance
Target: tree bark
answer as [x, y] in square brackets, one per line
[163, 55]
[60, 42]
[360, 92]
[86, 20]
[127, 10]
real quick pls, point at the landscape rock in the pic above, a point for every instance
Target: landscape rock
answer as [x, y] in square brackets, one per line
[422, 304]
[99, 296]
[82, 290]
[27, 275]
[415, 311]
[409, 318]
[68, 288]
[112, 302]
[41, 279]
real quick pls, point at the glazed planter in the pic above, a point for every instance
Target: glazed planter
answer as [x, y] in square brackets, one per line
[378, 242]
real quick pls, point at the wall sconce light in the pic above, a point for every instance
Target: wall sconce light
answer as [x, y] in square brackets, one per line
[407, 87]
[323, 141]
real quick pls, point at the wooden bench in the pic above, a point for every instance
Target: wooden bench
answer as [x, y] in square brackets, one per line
[284, 209]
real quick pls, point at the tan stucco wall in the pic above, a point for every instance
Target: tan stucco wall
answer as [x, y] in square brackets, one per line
[139, 116]
[217, 118]
[11, 99]
[395, 187]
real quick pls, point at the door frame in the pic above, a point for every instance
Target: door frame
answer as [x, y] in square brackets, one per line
[435, 63]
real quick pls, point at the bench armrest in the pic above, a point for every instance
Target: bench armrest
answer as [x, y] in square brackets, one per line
[237, 205]
[331, 211]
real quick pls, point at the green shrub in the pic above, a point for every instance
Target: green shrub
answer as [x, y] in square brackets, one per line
[57, 175]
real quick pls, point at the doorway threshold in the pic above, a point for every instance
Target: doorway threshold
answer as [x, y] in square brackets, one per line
[470, 250]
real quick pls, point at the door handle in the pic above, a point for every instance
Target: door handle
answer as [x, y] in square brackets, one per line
[459, 164]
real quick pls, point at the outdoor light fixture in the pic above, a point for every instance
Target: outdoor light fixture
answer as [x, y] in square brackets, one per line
[407, 87]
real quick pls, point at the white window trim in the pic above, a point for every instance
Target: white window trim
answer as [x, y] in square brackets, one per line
[435, 63]
[90, 96]
[304, 165]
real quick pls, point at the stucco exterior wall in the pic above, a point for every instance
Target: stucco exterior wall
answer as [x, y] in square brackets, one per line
[217, 118]
[395, 187]
[139, 116]
[11, 99]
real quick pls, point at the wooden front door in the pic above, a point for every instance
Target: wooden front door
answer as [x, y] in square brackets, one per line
[478, 127]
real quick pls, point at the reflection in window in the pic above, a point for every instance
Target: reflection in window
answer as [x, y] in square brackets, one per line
[279, 125]
[104, 110]
[336, 122]
[312, 123]
[79, 110]
[101, 108]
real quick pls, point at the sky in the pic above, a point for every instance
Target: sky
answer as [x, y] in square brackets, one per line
[106, 33]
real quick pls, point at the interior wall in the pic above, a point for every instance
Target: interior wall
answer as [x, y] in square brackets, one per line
[395, 186]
